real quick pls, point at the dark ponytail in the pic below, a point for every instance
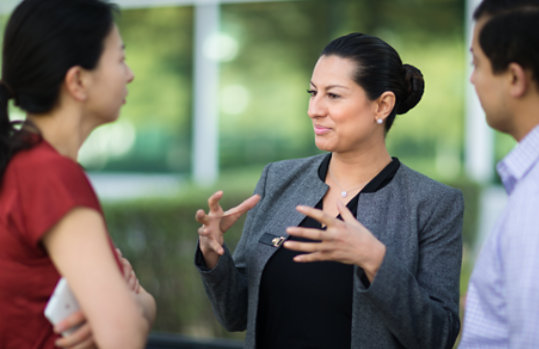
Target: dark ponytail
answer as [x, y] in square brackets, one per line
[5, 126]
[380, 69]
[42, 41]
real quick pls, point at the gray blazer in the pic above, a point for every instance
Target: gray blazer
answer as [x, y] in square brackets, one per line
[413, 300]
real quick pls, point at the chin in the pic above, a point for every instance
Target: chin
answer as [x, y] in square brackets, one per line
[324, 147]
[320, 145]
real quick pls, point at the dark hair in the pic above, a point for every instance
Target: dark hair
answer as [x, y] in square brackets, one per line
[512, 37]
[380, 69]
[43, 40]
[496, 7]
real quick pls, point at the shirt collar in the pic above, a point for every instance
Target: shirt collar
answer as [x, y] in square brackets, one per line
[520, 160]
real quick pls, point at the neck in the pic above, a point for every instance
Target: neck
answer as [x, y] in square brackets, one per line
[353, 171]
[526, 118]
[63, 129]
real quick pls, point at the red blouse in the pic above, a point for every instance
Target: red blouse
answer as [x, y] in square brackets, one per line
[38, 189]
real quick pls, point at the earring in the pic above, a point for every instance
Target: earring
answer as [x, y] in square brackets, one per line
[379, 121]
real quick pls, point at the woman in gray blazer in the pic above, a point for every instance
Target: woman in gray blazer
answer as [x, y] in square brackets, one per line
[348, 249]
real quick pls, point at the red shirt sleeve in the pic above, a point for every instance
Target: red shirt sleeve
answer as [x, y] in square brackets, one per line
[49, 186]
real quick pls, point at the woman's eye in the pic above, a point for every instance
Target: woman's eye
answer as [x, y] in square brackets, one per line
[333, 95]
[311, 92]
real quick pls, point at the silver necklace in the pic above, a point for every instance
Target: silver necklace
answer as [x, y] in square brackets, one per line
[344, 192]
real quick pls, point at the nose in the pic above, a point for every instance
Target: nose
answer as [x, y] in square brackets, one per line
[472, 77]
[316, 107]
[130, 75]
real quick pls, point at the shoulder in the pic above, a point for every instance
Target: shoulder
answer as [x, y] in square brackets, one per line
[426, 194]
[422, 185]
[524, 199]
[42, 159]
[41, 168]
[286, 174]
[292, 167]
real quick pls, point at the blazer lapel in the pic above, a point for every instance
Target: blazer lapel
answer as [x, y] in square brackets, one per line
[305, 190]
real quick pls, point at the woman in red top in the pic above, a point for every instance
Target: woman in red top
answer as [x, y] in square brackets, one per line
[63, 64]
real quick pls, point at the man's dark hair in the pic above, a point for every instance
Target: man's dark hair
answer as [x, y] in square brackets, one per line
[497, 7]
[512, 37]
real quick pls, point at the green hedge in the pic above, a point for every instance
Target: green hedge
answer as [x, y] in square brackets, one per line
[159, 237]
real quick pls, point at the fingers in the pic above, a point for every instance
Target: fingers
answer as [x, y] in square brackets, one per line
[200, 217]
[324, 218]
[345, 213]
[231, 216]
[313, 251]
[213, 202]
[216, 222]
[81, 338]
[307, 247]
[127, 268]
[215, 209]
[309, 233]
[71, 321]
[133, 282]
[245, 206]
[208, 243]
[129, 273]
[312, 257]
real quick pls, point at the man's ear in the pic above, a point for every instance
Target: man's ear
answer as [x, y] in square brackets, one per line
[519, 81]
[75, 83]
[384, 105]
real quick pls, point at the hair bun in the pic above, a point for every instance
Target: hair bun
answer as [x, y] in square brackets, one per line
[414, 87]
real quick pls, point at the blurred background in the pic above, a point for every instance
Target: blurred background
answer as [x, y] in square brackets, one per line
[220, 90]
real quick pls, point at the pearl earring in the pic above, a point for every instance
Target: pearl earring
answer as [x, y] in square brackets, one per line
[379, 121]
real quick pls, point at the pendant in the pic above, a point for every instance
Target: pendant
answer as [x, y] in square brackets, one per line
[343, 194]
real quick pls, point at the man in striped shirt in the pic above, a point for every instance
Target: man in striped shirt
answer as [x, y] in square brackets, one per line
[502, 306]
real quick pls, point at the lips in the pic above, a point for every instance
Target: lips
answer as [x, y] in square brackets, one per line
[320, 130]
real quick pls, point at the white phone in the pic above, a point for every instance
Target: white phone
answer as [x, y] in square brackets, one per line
[61, 304]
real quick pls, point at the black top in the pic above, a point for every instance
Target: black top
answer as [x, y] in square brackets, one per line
[309, 305]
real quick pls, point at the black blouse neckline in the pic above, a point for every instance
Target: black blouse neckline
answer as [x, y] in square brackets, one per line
[378, 182]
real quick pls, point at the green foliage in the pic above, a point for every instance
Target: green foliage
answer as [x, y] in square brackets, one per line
[159, 238]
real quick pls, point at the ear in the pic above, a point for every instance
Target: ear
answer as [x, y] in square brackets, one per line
[519, 81]
[75, 83]
[384, 105]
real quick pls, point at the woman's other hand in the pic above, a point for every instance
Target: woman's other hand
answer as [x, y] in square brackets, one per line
[345, 241]
[215, 223]
[80, 338]
[129, 273]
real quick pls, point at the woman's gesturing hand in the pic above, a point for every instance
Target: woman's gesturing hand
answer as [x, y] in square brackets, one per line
[345, 241]
[216, 222]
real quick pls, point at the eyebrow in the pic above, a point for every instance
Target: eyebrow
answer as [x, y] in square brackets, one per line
[330, 86]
